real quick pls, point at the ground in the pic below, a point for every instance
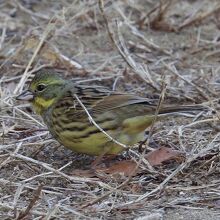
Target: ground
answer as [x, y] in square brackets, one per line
[150, 48]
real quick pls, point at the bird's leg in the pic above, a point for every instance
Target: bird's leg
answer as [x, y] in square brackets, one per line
[141, 143]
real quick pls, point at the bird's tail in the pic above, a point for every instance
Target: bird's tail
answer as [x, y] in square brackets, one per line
[183, 109]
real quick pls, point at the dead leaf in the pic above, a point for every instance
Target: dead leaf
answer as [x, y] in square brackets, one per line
[162, 154]
[125, 167]
[83, 173]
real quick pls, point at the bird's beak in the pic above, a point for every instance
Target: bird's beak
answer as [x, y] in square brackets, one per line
[26, 96]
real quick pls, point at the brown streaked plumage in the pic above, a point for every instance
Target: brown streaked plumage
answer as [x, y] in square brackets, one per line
[123, 116]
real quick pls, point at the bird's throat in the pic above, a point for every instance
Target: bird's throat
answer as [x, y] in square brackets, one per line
[40, 104]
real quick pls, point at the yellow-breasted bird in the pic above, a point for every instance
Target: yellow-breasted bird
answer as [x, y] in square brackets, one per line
[123, 116]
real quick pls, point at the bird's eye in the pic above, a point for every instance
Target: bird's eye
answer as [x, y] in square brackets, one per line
[40, 87]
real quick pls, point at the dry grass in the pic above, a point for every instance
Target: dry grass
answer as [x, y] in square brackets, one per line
[127, 46]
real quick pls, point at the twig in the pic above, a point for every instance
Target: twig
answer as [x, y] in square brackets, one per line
[31, 204]
[9, 207]
[112, 38]
[137, 68]
[29, 12]
[201, 92]
[137, 33]
[199, 18]
[162, 95]
[48, 167]
[3, 35]
[188, 81]
[201, 121]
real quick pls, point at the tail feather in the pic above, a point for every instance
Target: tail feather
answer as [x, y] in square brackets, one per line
[182, 109]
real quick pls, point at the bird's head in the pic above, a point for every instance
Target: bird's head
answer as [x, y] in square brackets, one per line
[45, 88]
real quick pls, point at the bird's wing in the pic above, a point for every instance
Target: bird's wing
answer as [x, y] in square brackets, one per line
[99, 100]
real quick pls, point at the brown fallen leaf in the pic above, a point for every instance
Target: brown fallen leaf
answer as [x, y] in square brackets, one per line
[162, 154]
[83, 173]
[125, 167]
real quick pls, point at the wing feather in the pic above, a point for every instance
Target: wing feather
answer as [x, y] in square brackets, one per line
[100, 100]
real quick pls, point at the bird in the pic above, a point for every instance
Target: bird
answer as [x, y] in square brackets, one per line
[118, 119]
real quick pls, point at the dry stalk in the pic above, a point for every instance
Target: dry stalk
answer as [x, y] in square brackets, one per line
[48, 167]
[199, 18]
[31, 204]
[31, 13]
[137, 68]
[197, 88]
[3, 34]
[127, 59]
[9, 207]
[137, 33]
[174, 71]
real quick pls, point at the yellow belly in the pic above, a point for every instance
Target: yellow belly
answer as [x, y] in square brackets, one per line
[92, 145]
[130, 132]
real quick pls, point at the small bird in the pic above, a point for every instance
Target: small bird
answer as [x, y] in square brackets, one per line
[124, 117]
